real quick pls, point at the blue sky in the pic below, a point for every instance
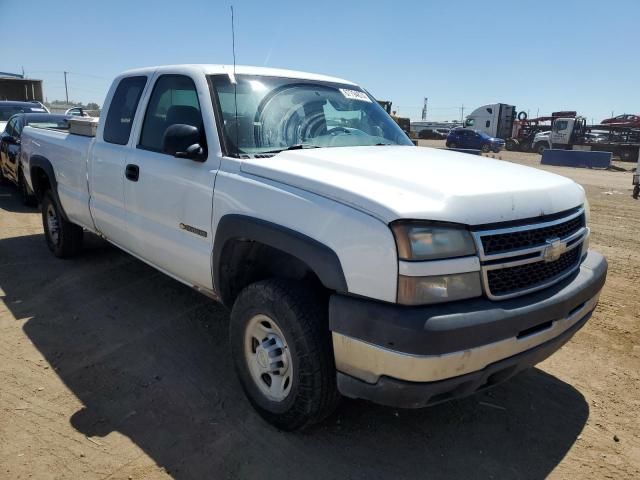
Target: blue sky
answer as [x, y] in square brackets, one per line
[540, 56]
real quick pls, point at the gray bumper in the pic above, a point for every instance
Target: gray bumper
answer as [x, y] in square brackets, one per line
[413, 357]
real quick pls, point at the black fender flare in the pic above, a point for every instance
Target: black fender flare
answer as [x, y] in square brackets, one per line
[38, 161]
[321, 259]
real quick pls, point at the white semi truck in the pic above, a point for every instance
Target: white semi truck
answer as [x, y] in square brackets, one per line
[353, 262]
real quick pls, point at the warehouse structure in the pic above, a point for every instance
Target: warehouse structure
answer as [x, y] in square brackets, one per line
[17, 88]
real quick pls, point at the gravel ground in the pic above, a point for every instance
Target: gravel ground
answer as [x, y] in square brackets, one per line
[109, 369]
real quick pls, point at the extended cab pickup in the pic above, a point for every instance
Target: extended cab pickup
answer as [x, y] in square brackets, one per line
[353, 262]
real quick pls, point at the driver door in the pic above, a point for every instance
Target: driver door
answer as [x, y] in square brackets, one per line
[169, 200]
[561, 132]
[11, 148]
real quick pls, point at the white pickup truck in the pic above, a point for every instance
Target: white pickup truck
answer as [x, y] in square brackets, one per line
[353, 262]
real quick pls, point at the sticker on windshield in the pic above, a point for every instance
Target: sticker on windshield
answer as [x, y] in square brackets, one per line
[354, 95]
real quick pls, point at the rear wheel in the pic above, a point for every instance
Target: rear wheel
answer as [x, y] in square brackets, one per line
[27, 198]
[496, 150]
[511, 144]
[452, 145]
[63, 238]
[627, 155]
[281, 347]
[636, 191]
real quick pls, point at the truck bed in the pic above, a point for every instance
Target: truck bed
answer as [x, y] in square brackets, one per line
[68, 154]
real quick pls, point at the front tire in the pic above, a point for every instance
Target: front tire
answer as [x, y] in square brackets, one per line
[452, 145]
[540, 148]
[281, 347]
[486, 148]
[64, 238]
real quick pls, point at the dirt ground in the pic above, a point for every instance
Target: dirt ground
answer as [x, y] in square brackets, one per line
[109, 369]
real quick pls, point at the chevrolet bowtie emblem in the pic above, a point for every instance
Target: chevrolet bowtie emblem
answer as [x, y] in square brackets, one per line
[555, 247]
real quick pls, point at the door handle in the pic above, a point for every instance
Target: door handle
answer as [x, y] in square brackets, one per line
[132, 172]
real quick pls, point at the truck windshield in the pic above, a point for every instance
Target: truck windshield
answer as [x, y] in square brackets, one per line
[263, 114]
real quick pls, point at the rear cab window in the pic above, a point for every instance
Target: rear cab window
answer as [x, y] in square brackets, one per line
[122, 110]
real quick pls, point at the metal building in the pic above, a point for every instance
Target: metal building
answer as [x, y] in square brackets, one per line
[15, 87]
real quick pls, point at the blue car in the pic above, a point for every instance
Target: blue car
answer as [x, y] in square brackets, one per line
[473, 139]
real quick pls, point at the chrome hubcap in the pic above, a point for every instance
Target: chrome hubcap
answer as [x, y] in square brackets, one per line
[268, 358]
[52, 224]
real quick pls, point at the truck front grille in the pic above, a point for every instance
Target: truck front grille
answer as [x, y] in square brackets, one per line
[504, 242]
[507, 280]
[525, 258]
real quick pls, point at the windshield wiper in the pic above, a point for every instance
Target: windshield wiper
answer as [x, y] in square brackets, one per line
[297, 146]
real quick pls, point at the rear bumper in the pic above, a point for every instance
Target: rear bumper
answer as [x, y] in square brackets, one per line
[416, 356]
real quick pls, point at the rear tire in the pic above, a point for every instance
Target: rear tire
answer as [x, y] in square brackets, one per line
[452, 145]
[627, 155]
[64, 238]
[540, 148]
[281, 347]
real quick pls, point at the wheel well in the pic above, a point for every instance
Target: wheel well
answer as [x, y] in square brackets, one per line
[40, 182]
[243, 262]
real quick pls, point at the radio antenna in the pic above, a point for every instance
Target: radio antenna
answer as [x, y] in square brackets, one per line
[235, 82]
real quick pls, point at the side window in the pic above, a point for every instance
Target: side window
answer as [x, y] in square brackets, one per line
[487, 124]
[560, 125]
[124, 103]
[174, 101]
[10, 127]
[19, 125]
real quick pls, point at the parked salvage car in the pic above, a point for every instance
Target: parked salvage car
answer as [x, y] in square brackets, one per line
[10, 108]
[431, 134]
[625, 119]
[352, 261]
[473, 139]
[11, 146]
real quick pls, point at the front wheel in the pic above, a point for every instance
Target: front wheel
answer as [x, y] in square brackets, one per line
[452, 145]
[63, 238]
[540, 148]
[485, 148]
[496, 150]
[281, 347]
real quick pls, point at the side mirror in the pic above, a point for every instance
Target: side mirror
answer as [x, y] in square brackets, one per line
[183, 141]
[12, 140]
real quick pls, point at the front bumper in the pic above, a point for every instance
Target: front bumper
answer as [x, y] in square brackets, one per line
[417, 356]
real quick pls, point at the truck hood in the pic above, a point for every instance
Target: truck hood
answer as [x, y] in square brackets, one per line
[395, 182]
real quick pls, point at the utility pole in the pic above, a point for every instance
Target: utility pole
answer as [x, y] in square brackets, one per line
[424, 109]
[462, 114]
[66, 90]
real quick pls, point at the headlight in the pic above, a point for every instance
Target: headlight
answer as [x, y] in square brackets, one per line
[438, 288]
[417, 241]
[423, 242]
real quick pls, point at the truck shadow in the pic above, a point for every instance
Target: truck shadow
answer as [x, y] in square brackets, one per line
[148, 358]
[10, 199]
